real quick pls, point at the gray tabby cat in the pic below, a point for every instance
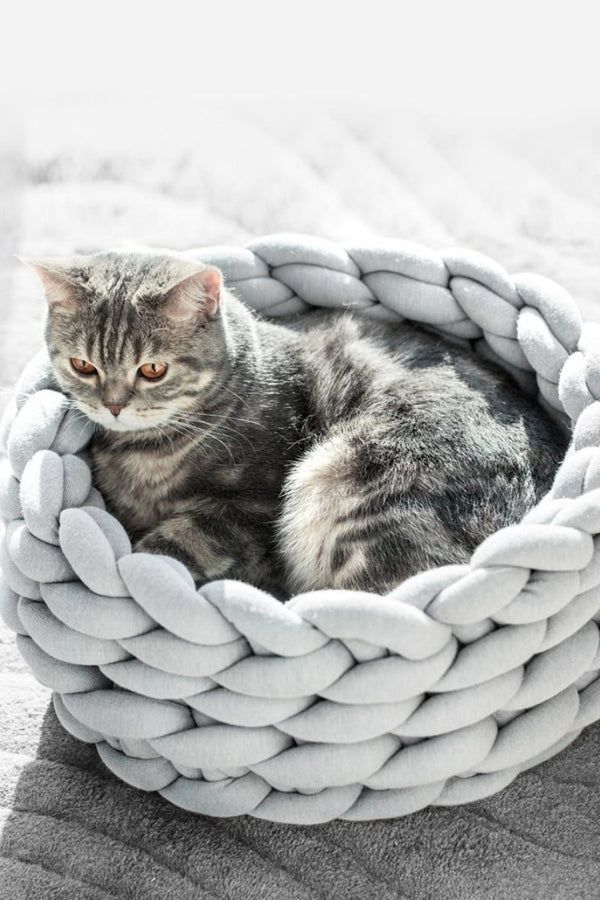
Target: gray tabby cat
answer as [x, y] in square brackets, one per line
[342, 454]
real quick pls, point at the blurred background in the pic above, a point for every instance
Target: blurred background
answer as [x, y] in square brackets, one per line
[179, 125]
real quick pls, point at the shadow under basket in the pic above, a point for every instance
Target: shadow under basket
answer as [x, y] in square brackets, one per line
[336, 704]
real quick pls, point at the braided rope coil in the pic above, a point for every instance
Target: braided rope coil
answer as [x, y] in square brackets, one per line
[337, 704]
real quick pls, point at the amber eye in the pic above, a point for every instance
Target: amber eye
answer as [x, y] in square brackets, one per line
[152, 371]
[83, 366]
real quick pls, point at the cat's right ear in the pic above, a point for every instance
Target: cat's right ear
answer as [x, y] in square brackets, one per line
[57, 280]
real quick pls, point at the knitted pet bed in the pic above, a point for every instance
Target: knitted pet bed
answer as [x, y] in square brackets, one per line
[337, 703]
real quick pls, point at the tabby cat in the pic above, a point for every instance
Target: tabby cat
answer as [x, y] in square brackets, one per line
[332, 452]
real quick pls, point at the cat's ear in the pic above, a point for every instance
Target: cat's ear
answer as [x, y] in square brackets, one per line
[196, 295]
[59, 277]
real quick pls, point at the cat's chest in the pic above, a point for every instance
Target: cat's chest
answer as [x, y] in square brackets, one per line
[143, 486]
[158, 471]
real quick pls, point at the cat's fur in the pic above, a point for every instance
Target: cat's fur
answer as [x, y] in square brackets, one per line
[339, 454]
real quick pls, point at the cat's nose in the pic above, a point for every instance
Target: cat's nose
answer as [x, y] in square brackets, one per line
[115, 408]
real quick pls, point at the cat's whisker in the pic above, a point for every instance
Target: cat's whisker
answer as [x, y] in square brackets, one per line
[236, 419]
[242, 400]
[197, 422]
[198, 427]
[80, 415]
[223, 416]
[207, 429]
[164, 433]
[205, 435]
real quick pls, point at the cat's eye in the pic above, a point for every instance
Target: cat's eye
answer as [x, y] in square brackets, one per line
[152, 371]
[82, 366]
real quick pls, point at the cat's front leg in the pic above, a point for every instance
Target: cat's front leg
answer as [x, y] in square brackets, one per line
[215, 545]
[185, 539]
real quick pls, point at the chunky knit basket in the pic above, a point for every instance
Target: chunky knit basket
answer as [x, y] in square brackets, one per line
[338, 703]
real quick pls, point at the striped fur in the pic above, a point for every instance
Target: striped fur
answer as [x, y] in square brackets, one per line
[327, 452]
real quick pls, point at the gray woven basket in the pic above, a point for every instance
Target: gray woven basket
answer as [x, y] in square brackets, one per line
[337, 703]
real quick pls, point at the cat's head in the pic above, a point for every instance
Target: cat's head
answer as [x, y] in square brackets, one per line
[135, 337]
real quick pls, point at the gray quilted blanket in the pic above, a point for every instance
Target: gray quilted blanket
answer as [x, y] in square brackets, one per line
[527, 194]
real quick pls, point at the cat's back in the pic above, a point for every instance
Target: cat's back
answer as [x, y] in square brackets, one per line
[462, 423]
[359, 366]
[420, 451]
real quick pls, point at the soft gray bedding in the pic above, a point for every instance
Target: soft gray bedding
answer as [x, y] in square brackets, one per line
[528, 195]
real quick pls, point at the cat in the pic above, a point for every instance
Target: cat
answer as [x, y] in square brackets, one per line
[328, 452]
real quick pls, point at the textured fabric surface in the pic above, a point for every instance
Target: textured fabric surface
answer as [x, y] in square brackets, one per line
[344, 178]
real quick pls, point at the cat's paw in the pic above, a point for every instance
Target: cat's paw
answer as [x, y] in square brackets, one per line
[158, 545]
[150, 543]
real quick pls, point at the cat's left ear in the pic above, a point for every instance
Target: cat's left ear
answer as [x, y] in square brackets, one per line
[197, 294]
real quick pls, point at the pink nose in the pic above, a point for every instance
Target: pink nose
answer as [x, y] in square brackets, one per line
[115, 408]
